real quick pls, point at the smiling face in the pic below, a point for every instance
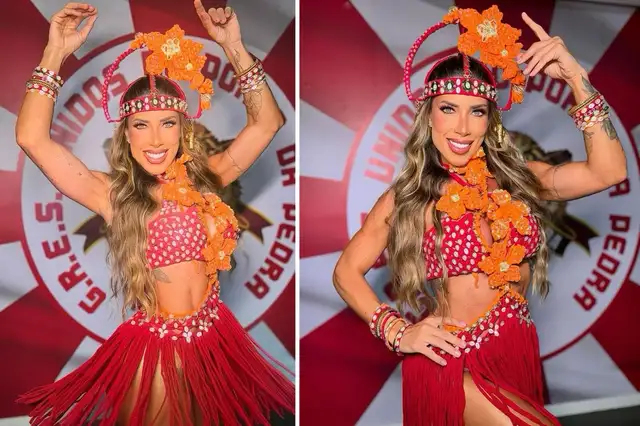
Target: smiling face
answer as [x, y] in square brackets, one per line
[458, 126]
[154, 137]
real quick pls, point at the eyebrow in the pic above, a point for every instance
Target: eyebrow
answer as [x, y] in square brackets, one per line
[456, 106]
[140, 120]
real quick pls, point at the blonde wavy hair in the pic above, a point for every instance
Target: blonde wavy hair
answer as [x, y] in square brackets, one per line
[419, 184]
[133, 204]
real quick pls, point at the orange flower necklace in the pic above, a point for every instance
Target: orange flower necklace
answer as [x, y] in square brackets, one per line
[222, 238]
[502, 263]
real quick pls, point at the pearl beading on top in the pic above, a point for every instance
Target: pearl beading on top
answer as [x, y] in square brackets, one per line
[462, 249]
[175, 236]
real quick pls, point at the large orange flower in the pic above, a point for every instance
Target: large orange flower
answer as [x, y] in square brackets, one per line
[457, 199]
[477, 173]
[502, 264]
[507, 212]
[496, 42]
[171, 51]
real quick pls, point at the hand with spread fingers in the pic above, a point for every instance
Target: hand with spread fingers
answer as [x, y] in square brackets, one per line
[549, 55]
[427, 335]
[65, 37]
[221, 24]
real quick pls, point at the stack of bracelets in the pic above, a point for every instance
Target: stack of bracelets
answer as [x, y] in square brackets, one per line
[253, 77]
[382, 321]
[45, 82]
[593, 110]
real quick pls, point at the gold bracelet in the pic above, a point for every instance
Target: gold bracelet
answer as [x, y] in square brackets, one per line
[583, 103]
[255, 64]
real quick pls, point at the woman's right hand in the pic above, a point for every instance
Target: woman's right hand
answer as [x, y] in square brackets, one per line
[64, 36]
[429, 332]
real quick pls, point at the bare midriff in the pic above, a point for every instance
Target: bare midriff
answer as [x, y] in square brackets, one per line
[183, 288]
[467, 299]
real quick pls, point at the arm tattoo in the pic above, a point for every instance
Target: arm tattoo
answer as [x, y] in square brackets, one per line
[607, 126]
[588, 88]
[161, 276]
[588, 143]
[236, 61]
[253, 102]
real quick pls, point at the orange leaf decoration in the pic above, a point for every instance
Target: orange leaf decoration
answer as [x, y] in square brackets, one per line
[457, 199]
[502, 264]
[496, 42]
[179, 56]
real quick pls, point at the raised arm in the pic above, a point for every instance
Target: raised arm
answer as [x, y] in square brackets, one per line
[264, 117]
[33, 127]
[605, 165]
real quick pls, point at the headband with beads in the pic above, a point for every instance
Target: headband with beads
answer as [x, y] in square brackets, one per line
[180, 58]
[497, 45]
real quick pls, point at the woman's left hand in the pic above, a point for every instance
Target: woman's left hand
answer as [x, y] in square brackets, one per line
[549, 55]
[221, 24]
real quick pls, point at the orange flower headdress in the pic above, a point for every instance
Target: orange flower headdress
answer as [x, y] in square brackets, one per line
[180, 58]
[485, 33]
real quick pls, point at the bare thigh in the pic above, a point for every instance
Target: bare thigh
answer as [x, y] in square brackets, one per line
[158, 408]
[479, 411]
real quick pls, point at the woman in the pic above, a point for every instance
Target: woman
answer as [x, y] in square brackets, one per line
[182, 358]
[462, 225]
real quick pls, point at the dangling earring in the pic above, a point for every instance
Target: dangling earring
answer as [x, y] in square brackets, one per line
[501, 131]
[190, 134]
[501, 134]
[190, 137]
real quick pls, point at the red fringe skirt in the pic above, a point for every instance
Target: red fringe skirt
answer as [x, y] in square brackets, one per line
[503, 355]
[209, 352]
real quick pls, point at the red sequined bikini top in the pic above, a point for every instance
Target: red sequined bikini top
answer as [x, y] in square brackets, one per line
[462, 248]
[175, 235]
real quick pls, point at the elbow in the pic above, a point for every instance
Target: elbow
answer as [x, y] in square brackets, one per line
[338, 276]
[616, 177]
[26, 136]
[268, 127]
[277, 123]
[23, 140]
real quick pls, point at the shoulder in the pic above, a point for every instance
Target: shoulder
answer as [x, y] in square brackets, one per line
[380, 213]
[538, 167]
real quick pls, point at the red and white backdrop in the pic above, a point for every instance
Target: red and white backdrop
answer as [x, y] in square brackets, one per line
[55, 303]
[354, 118]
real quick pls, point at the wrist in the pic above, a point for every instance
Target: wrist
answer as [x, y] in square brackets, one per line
[53, 58]
[234, 46]
[393, 332]
[577, 82]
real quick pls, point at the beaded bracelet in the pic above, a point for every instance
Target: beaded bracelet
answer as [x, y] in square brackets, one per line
[44, 82]
[398, 338]
[49, 74]
[253, 77]
[589, 112]
[42, 88]
[376, 317]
